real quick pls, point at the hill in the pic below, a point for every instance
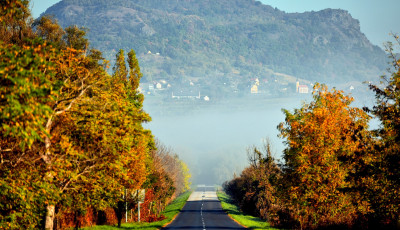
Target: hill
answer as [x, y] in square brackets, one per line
[223, 45]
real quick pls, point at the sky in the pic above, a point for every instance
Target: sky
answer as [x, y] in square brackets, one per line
[378, 18]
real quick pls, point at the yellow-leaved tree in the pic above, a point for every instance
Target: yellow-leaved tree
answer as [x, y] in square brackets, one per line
[71, 134]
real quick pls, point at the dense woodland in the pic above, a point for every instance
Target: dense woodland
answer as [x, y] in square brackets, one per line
[336, 172]
[73, 150]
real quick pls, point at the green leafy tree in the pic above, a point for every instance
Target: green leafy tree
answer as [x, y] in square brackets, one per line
[134, 70]
[72, 135]
[27, 79]
[75, 38]
[384, 192]
[119, 69]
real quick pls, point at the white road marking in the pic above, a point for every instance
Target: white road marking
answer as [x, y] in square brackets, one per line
[203, 196]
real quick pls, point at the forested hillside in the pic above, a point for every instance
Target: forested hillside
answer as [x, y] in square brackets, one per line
[227, 41]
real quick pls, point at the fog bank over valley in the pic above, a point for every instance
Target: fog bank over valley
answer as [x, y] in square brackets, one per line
[213, 139]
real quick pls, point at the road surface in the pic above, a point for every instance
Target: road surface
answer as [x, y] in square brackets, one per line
[203, 211]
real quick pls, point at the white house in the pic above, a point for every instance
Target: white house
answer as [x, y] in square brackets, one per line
[303, 89]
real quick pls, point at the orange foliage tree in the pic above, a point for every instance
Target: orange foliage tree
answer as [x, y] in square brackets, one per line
[325, 141]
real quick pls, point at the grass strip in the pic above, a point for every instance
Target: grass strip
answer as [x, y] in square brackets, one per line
[234, 212]
[170, 212]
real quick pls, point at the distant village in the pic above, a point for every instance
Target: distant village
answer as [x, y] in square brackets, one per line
[195, 91]
[227, 86]
[162, 87]
[191, 91]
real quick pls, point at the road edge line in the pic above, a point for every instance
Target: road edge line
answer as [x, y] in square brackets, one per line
[244, 226]
[173, 218]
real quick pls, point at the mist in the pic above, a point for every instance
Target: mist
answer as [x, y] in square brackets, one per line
[213, 139]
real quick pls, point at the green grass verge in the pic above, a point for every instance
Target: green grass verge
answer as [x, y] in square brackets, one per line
[170, 212]
[250, 222]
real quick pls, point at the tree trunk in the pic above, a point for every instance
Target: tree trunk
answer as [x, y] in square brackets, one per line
[50, 209]
[119, 212]
[50, 214]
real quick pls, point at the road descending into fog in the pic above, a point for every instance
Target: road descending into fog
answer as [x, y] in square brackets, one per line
[203, 211]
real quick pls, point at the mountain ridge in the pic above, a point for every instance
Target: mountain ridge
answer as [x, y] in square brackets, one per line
[230, 41]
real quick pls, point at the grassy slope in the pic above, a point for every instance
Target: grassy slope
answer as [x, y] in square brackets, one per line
[234, 212]
[170, 212]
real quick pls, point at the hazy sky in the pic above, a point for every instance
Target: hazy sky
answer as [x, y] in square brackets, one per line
[378, 18]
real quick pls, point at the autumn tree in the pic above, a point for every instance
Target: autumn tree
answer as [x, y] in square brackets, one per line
[108, 146]
[71, 135]
[15, 21]
[170, 176]
[133, 142]
[119, 69]
[186, 176]
[75, 80]
[28, 85]
[48, 29]
[255, 190]
[75, 38]
[26, 76]
[268, 176]
[159, 179]
[325, 140]
[385, 175]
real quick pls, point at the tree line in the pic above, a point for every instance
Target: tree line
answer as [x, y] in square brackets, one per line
[72, 135]
[336, 172]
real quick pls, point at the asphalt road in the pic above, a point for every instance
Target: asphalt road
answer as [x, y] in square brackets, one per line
[203, 211]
